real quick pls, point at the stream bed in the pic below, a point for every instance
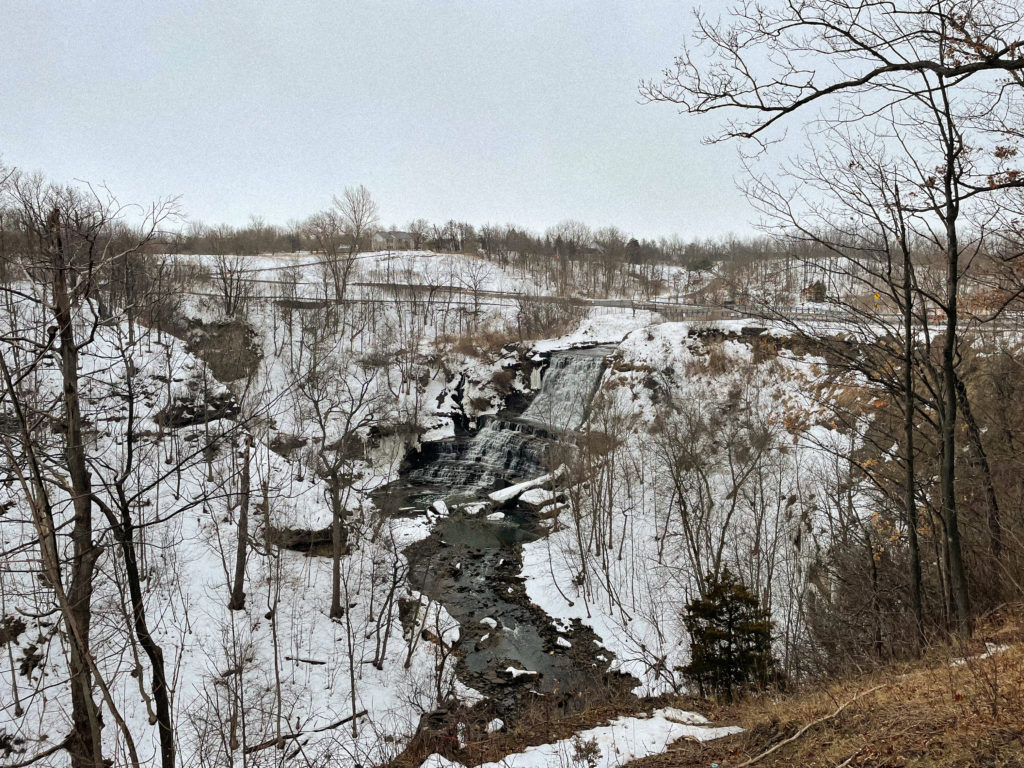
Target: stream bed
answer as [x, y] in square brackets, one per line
[470, 563]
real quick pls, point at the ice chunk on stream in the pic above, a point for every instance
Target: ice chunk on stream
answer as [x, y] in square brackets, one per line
[517, 673]
[537, 497]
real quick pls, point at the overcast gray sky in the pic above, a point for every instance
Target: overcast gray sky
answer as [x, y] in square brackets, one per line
[523, 112]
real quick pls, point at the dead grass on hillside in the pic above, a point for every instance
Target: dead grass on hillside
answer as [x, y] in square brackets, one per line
[714, 360]
[486, 343]
[951, 709]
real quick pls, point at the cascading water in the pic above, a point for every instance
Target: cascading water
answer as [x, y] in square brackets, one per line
[503, 449]
[566, 390]
[509, 450]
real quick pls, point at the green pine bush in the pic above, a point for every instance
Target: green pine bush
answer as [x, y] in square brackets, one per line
[730, 639]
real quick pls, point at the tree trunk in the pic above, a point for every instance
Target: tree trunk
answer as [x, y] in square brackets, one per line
[910, 506]
[948, 414]
[338, 541]
[85, 743]
[876, 607]
[125, 533]
[237, 601]
[994, 517]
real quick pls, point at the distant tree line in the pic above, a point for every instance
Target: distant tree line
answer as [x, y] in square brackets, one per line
[506, 244]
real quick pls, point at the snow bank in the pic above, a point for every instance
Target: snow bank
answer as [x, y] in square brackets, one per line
[507, 494]
[604, 325]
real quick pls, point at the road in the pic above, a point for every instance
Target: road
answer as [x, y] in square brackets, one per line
[375, 292]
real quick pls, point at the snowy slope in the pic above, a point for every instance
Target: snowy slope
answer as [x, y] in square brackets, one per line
[750, 423]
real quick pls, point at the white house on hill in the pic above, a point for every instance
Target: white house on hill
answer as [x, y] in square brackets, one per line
[393, 241]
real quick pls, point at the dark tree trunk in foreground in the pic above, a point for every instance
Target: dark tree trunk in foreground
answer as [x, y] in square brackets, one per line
[85, 742]
[237, 601]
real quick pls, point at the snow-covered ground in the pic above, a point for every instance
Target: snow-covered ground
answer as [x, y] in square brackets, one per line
[601, 326]
[281, 665]
[622, 740]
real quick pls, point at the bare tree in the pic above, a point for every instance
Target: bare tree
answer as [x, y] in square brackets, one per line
[341, 398]
[66, 238]
[420, 231]
[327, 230]
[231, 276]
[474, 277]
[570, 239]
[358, 213]
[237, 601]
[611, 243]
[927, 70]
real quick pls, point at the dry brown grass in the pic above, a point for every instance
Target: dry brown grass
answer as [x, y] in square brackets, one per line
[487, 343]
[931, 713]
[715, 360]
[720, 361]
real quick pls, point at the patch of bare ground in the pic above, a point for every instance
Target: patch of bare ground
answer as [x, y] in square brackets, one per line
[961, 707]
[542, 720]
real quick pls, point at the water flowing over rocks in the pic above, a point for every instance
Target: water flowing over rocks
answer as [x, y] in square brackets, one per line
[508, 646]
[508, 449]
[567, 387]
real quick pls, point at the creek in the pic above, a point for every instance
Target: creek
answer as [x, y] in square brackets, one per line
[470, 563]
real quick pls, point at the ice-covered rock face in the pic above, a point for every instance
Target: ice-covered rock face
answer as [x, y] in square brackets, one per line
[513, 449]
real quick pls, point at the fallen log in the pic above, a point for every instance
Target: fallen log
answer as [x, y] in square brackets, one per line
[806, 728]
[279, 741]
